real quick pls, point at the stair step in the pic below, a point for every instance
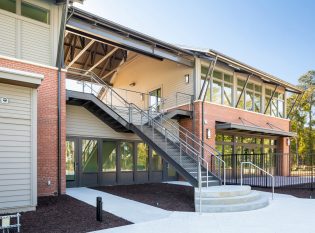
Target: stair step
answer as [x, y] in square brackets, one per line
[251, 205]
[252, 196]
[224, 191]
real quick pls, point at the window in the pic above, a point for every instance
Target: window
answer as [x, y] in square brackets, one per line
[142, 157]
[89, 156]
[276, 106]
[109, 155]
[156, 162]
[221, 87]
[8, 5]
[34, 12]
[251, 97]
[155, 100]
[70, 161]
[126, 156]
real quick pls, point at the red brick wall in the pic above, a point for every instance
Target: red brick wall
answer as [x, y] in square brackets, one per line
[47, 139]
[214, 112]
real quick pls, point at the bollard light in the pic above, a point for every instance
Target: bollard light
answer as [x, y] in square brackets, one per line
[99, 209]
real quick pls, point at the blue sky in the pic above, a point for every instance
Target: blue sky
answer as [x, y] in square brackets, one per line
[276, 36]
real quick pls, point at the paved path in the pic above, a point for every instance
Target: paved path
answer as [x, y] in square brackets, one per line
[132, 211]
[283, 215]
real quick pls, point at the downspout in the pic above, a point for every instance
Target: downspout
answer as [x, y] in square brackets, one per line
[59, 64]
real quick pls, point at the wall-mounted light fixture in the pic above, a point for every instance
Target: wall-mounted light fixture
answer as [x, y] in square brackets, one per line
[132, 84]
[208, 133]
[288, 142]
[142, 96]
[186, 78]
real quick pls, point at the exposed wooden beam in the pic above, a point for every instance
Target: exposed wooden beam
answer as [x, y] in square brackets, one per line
[104, 68]
[71, 46]
[103, 58]
[86, 61]
[81, 53]
[109, 73]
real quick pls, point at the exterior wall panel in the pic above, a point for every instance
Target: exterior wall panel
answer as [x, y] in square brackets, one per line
[15, 147]
[149, 74]
[8, 35]
[35, 43]
[80, 122]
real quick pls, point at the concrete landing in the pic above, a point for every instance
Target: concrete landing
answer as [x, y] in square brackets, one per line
[229, 198]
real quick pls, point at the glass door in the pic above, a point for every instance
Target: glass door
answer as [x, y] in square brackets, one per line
[71, 163]
[155, 100]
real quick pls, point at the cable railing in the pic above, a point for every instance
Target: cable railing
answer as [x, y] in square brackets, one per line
[262, 170]
[209, 157]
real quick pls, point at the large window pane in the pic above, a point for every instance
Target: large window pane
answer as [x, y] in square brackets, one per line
[109, 156]
[216, 90]
[142, 157]
[35, 12]
[280, 108]
[89, 156]
[249, 100]
[268, 112]
[257, 103]
[156, 162]
[241, 100]
[126, 156]
[227, 97]
[70, 161]
[274, 107]
[8, 5]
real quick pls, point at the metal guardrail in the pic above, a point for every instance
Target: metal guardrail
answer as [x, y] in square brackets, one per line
[272, 177]
[186, 139]
[6, 225]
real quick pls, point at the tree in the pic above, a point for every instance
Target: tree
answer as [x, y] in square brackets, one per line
[302, 118]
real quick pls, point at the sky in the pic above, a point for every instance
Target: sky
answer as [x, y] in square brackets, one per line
[276, 36]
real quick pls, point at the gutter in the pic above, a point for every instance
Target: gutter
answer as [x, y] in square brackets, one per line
[59, 64]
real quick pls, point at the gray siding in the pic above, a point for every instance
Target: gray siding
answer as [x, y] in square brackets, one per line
[35, 42]
[8, 35]
[28, 39]
[15, 147]
[80, 122]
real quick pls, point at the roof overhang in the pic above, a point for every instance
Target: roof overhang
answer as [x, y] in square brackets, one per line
[97, 28]
[20, 78]
[237, 128]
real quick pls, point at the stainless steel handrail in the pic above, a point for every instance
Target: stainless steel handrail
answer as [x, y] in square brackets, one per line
[272, 177]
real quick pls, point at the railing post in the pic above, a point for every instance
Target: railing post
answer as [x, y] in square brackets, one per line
[186, 142]
[241, 174]
[180, 153]
[165, 133]
[152, 130]
[111, 98]
[130, 113]
[199, 184]
[141, 121]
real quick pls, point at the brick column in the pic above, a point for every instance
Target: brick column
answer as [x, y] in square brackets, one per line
[284, 158]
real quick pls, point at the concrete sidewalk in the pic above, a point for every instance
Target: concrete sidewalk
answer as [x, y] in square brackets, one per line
[132, 211]
[283, 215]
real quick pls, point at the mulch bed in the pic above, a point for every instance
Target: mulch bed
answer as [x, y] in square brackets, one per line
[298, 191]
[166, 196]
[65, 214]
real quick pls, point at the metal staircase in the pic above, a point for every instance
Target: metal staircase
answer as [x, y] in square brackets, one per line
[195, 160]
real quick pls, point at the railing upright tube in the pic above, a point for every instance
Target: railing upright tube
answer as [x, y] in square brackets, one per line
[180, 153]
[199, 185]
